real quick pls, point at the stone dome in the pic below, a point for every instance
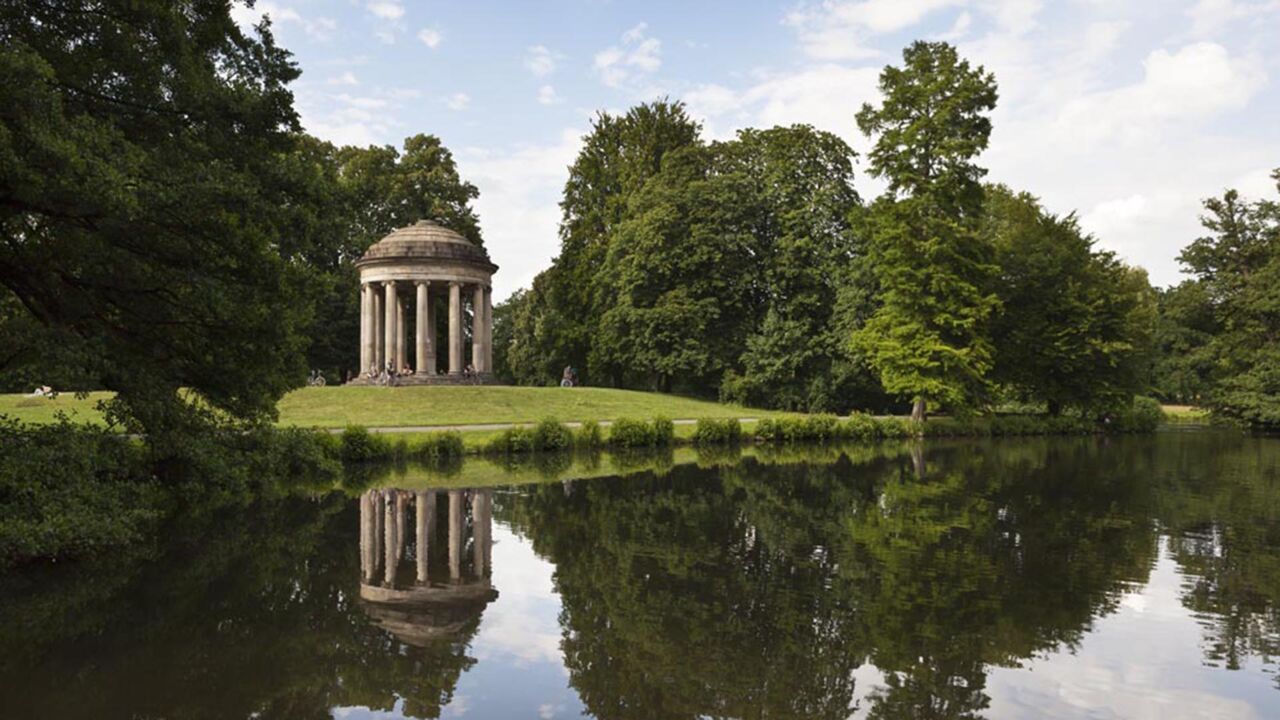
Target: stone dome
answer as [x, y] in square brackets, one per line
[426, 240]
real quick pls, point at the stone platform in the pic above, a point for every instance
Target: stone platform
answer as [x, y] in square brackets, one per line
[409, 380]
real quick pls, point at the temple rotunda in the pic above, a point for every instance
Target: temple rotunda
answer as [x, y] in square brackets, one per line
[416, 268]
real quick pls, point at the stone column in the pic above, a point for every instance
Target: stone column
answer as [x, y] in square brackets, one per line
[432, 361]
[390, 524]
[455, 535]
[379, 320]
[455, 328]
[379, 513]
[426, 506]
[424, 351]
[481, 524]
[366, 536]
[401, 350]
[477, 328]
[389, 323]
[366, 348]
[488, 329]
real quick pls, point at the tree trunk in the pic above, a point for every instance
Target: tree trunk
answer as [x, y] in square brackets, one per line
[917, 460]
[917, 410]
[1055, 408]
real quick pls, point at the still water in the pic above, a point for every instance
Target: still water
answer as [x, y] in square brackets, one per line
[1063, 578]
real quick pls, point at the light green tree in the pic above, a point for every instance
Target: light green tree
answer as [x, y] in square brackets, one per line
[928, 339]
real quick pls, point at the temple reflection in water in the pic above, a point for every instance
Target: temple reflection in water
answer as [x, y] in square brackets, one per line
[431, 583]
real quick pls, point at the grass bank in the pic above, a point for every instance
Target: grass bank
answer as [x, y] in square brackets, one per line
[339, 407]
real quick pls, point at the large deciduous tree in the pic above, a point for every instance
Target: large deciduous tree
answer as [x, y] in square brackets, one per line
[140, 202]
[618, 156]
[1075, 326]
[1238, 266]
[928, 339]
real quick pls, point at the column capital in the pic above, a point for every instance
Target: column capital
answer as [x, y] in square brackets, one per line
[389, 283]
[421, 283]
[456, 283]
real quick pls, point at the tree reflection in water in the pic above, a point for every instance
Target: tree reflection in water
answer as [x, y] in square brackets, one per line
[886, 581]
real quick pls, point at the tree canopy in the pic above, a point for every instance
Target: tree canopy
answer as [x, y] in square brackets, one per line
[140, 203]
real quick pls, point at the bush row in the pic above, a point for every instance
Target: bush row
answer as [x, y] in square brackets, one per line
[549, 435]
[358, 445]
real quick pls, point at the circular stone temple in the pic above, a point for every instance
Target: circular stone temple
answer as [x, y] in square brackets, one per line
[418, 269]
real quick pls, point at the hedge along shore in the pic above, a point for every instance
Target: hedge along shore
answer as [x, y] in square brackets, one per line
[357, 444]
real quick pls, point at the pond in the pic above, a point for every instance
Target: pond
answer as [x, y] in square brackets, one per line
[1063, 578]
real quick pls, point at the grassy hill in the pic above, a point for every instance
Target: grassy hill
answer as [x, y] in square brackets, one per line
[426, 406]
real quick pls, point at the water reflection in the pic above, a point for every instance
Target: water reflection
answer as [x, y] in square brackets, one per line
[397, 590]
[1030, 578]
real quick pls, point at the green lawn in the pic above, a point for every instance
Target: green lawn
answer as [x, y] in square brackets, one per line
[398, 407]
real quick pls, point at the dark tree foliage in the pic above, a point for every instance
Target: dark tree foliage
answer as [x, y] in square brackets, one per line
[140, 196]
[1075, 325]
[619, 155]
[715, 270]
[355, 196]
[1237, 266]
[1185, 328]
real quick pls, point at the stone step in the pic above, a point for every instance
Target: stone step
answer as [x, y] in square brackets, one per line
[409, 380]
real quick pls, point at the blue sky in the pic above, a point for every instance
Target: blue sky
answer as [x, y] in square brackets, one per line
[1127, 112]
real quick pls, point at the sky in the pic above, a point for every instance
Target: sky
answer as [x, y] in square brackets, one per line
[1126, 112]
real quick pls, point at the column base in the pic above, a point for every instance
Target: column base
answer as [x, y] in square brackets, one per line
[410, 380]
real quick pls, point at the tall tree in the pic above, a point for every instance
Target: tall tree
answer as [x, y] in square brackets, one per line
[1075, 326]
[801, 181]
[1238, 264]
[675, 289]
[618, 157]
[140, 196]
[928, 340]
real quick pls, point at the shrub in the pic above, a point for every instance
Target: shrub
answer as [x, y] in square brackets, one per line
[589, 435]
[439, 446]
[710, 431]
[359, 445]
[769, 430]
[512, 440]
[551, 434]
[821, 427]
[626, 432]
[1144, 414]
[664, 431]
[860, 427]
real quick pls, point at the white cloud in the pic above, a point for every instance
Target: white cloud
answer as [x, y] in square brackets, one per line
[637, 55]
[519, 191]
[430, 37]
[541, 60]
[346, 78]
[385, 9]
[840, 30]
[318, 28]
[1208, 17]
[547, 95]
[458, 101]
[1196, 81]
